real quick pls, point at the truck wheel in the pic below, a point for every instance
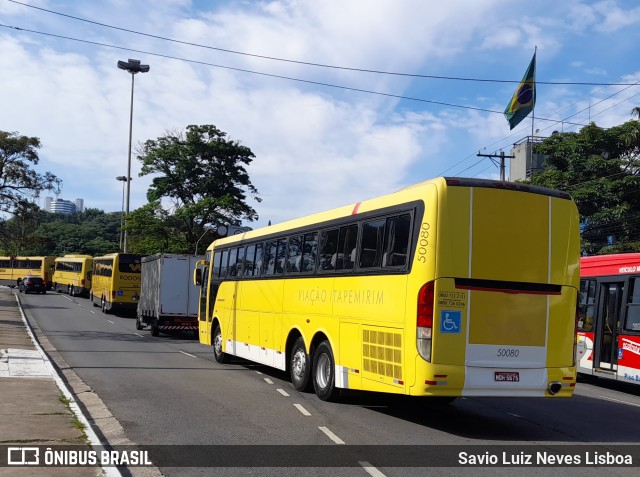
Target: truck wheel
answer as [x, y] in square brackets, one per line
[300, 366]
[155, 329]
[138, 323]
[217, 346]
[324, 371]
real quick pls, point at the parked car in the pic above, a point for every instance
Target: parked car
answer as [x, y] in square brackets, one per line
[32, 284]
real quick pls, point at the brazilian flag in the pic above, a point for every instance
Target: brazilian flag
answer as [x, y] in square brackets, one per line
[524, 99]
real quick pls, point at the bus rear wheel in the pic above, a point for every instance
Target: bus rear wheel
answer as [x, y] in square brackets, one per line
[300, 366]
[216, 342]
[324, 370]
[104, 307]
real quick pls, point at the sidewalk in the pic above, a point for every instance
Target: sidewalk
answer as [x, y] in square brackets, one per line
[33, 409]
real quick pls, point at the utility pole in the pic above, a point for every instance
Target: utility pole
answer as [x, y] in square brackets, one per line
[502, 157]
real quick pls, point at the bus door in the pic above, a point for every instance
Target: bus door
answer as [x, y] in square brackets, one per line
[608, 326]
[208, 292]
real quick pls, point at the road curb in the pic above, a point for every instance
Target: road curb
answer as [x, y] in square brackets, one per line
[103, 429]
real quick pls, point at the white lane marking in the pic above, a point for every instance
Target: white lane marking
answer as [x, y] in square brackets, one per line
[371, 470]
[268, 381]
[302, 410]
[618, 400]
[111, 322]
[138, 334]
[183, 352]
[331, 435]
[258, 372]
[514, 415]
[283, 392]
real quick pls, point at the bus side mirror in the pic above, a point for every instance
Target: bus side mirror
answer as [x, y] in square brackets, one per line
[197, 276]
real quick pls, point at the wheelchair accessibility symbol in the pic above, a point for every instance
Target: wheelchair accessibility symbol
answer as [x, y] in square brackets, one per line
[450, 321]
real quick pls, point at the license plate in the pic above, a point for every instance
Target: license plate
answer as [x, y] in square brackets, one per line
[507, 376]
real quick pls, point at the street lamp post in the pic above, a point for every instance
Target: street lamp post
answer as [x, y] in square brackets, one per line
[134, 67]
[123, 179]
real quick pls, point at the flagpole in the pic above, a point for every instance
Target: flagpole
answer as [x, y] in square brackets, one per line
[533, 110]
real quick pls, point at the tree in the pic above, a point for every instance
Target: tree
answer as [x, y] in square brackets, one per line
[19, 183]
[203, 175]
[91, 232]
[601, 170]
[152, 230]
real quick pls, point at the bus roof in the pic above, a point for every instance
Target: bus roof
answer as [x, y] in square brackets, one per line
[353, 209]
[616, 264]
[72, 255]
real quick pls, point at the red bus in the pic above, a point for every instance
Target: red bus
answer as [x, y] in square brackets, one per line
[609, 317]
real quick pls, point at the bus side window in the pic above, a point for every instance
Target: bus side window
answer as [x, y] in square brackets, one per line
[217, 259]
[257, 268]
[328, 247]
[586, 305]
[233, 259]
[396, 241]
[281, 254]
[223, 263]
[270, 257]
[310, 252]
[347, 242]
[633, 306]
[294, 254]
[249, 260]
[371, 244]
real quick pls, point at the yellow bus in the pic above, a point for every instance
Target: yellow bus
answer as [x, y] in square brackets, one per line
[115, 282]
[450, 287]
[13, 269]
[72, 273]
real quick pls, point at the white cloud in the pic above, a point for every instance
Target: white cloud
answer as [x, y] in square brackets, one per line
[316, 147]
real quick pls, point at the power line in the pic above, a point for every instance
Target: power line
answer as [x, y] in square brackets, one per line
[308, 63]
[270, 75]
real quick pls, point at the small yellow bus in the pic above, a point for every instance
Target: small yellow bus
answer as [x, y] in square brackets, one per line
[13, 269]
[115, 282]
[72, 274]
[450, 287]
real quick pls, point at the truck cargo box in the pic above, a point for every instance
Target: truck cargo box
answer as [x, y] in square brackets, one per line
[168, 298]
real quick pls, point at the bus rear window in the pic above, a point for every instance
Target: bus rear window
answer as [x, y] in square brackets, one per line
[129, 263]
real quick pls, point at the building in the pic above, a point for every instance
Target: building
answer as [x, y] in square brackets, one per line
[523, 164]
[61, 206]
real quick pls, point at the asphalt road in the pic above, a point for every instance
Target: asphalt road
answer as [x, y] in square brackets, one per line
[169, 390]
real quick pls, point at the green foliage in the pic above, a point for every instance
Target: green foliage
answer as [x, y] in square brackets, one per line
[19, 183]
[601, 170]
[202, 174]
[91, 232]
[152, 230]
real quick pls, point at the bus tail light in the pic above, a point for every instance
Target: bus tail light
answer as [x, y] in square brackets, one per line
[575, 331]
[424, 320]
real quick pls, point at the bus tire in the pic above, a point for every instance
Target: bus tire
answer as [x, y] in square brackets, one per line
[155, 328]
[324, 370]
[300, 366]
[91, 298]
[216, 342]
[103, 307]
[139, 323]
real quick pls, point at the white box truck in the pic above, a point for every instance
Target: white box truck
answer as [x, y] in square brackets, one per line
[168, 298]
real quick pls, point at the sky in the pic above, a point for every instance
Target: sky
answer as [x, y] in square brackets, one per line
[300, 83]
